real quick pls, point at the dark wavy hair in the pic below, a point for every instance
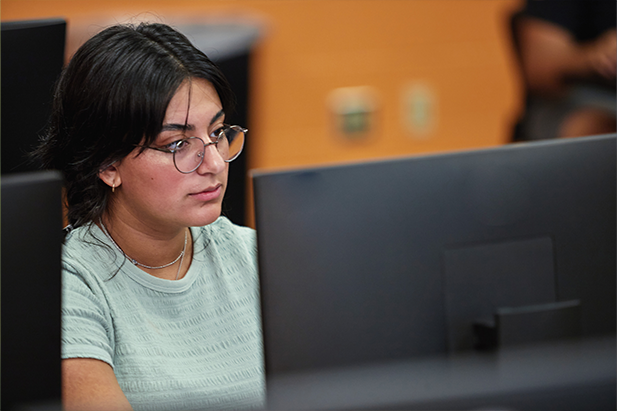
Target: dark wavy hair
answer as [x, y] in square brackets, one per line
[113, 95]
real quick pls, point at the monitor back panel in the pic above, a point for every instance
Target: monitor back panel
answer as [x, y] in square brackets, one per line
[32, 59]
[31, 252]
[395, 259]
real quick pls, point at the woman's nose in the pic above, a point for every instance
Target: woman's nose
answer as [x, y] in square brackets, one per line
[212, 162]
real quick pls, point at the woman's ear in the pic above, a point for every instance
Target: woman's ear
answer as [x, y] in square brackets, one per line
[111, 176]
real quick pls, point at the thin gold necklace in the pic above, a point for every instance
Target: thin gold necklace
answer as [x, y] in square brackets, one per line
[135, 262]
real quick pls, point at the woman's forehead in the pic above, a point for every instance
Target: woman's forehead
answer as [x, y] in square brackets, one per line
[193, 94]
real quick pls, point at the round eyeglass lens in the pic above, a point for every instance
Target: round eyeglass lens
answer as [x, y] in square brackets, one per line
[190, 154]
[233, 144]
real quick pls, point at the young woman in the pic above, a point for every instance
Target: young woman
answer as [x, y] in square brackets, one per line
[160, 293]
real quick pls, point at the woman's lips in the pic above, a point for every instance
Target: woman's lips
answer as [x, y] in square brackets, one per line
[208, 194]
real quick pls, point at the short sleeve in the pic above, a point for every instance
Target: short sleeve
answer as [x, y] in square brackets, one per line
[87, 330]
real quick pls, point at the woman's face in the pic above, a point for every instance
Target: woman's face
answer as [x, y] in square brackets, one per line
[151, 191]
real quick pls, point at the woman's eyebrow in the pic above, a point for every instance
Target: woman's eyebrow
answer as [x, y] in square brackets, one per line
[190, 127]
[177, 127]
[218, 115]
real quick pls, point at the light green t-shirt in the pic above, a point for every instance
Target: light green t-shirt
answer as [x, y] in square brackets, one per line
[190, 344]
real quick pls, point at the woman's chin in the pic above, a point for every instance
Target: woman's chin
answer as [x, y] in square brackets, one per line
[207, 218]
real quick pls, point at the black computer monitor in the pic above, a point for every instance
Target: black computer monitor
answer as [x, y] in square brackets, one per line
[398, 259]
[31, 247]
[32, 59]
[376, 275]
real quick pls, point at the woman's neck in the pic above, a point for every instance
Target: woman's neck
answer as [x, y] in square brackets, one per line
[164, 254]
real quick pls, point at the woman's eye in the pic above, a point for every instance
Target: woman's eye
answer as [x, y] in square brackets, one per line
[177, 145]
[216, 133]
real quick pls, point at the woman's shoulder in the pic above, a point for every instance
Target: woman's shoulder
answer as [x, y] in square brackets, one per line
[87, 248]
[84, 240]
[234, 246]
[224, 231]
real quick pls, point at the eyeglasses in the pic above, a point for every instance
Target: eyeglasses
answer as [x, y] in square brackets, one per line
[189, 153]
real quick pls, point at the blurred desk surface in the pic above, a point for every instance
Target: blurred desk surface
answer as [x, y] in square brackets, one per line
[572, 375]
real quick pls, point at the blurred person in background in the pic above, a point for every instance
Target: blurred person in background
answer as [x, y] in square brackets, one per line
[568, 56]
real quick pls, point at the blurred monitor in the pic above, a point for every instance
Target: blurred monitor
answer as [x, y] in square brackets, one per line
[31, 247]
[32, 59]
[401, 259]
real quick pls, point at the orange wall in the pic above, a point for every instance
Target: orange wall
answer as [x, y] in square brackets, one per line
[456, 52]
[458, 49]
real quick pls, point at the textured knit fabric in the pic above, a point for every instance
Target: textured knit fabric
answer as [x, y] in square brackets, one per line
[191, 344]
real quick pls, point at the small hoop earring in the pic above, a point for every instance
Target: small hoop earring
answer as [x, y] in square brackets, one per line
[113, 188]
